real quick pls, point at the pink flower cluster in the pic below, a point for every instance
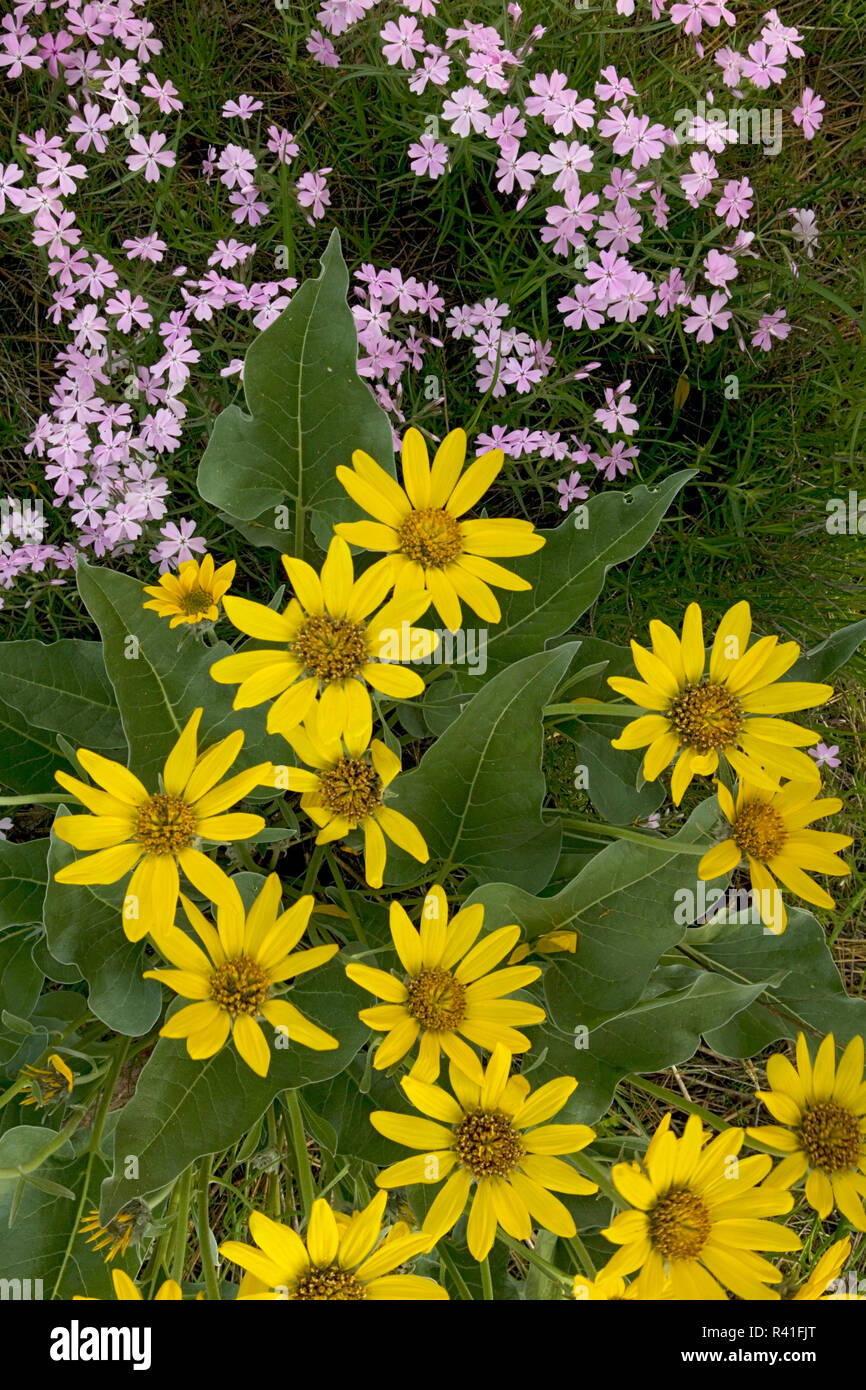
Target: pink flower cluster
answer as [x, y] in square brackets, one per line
[118, 406]
[599, 172]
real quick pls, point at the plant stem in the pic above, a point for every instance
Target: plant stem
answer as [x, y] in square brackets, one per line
[486, 1280]
[577, 709]
[334, 866]
[313, 869]
[619, 832]
[181, 1225]
[209, 1269]
[303, 1171]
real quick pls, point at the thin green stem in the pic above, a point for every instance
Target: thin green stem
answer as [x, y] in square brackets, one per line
[619, 832]
[486, 1280]
[181, 1224]
[303, 1171]
[209, 1269]
[313, 869]
[463, 1290]
[334, 866]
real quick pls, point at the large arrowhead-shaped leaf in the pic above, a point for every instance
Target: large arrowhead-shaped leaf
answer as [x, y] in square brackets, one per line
[308, 409]
[183, 1109]
[477, 794]
[660, 1031]
[84, 927]
[567, 576]
[63, 687]
[811, 997]
[28, 756]
[160, 676]
[821, 662]
[623, 907]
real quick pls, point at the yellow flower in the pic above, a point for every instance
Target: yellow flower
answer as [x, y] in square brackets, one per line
[826, 1272]
[448, 992]
[156, 833]
[695, 718]
[771, 830]
[346, 791]
[125, 1291]
[48, 1085]
[418, 525]
[233, 984]
[193, 594]
[491, 1135]
[130, 1224]
[821, 1112]
[696, 1217]
[340, 1260]
[329, 646]
[610, 1288]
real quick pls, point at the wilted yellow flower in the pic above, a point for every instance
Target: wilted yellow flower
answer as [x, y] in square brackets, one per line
[52, 1083]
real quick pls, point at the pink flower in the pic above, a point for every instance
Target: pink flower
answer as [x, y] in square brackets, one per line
[736, 202]
[825, 756]
[282, 143]
[694, 14]
[567, 160]
[150, 155]
[707, 316]
[582, 307]
[464, 110]
[770, 326]
[129, 311]
[435, 68]
[634, 300]
[719, 269]
[322, 49]
[620, 460]
[764, 65]
[241, 109]
[698, 184]
[145, 248]
[617, 411]
[514, 167]
[312, 190]
[571, 490]
[402, 41]
[180, 544]
[809, 112]
[165, 94]
[428, 156]
[10, 174]
[610, 275]
[238, 166]
[91, 124]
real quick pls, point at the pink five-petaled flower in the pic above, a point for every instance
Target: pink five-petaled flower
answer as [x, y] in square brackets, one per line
[403, 41]
[570, 490]
[809, 112]
[825, 756]
[736, 202]
[428, 156]
[150, 155]
[707, 315]
[770, 326]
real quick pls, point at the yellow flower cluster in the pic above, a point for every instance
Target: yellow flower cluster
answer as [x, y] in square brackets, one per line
[718, 716]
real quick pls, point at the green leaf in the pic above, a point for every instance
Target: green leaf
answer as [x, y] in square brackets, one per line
[658, 1032]
[348, 1110]
[308, 410]
[184, 1108]
[20, 977]
[612, 775]
[821, 662]
[84, 927]
[567, 575]
[23, 876]
[160, 676]
[28, 756]
[477, 795]
[62, 687]
[36, 1246]
[623, 906]
[811, 992]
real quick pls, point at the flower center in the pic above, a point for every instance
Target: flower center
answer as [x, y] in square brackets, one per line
[759, 831]
[831, 1137]
[165, 825]
[329, 1283]
[351, 789]
[706, 716]
[488, 1144]
[240, 986]
[196, 602]
[437, 1000]
[330, 647]
[679, 1225]
[431, 537]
